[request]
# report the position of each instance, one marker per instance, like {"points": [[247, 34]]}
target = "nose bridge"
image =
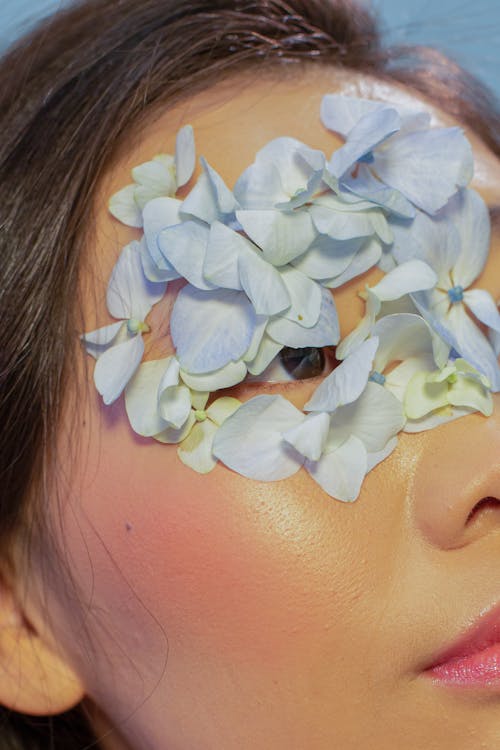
{"points": [[458, 467]]}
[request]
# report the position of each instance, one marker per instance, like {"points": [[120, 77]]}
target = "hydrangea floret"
{"points": [[259, 267]]}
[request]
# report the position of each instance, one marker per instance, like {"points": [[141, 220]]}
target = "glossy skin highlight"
{"points": [[226, 613]]}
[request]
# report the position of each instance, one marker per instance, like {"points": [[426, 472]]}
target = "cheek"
{"points": [[246, 569]]}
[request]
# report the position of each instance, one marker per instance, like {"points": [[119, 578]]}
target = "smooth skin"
{"points": [[219, 613]]}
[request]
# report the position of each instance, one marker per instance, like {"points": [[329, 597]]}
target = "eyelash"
{"points": [[276, 367]]}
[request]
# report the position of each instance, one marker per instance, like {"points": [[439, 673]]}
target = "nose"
{"points": [[456, 482]]}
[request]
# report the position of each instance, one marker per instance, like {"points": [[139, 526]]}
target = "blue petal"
{"points": [[211, 329], [130, 294]]}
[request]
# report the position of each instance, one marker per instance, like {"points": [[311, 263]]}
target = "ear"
{"points": [[34, 678]]}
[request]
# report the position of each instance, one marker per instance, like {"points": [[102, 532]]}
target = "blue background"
{"points": [[468, 30]]}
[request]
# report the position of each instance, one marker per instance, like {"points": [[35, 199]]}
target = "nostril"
{"points": [[488, 504]]}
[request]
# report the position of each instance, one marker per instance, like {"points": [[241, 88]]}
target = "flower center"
{"points": [[456, 294], [200, 415], [137, 326], [377, 377]]}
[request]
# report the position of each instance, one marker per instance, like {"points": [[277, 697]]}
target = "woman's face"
{"points": [[228, 613]]}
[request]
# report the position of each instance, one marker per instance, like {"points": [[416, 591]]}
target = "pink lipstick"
{"points": [[474, 659]]}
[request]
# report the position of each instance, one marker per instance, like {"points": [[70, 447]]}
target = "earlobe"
{"points": [[34, 679]]}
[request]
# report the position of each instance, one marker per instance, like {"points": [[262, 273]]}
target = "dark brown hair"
{"points": [[69, 94]]}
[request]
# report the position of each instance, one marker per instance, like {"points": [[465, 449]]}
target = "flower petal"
{"points": [[470, 216], [116, 366], [172, 435], [282, 236], [341, 113], [267, 351], [346, 383], [427, 166], [375, 417], [309, 437], [411, 276], [211, 329], [401, 336], [436, 419], [123, 206], [225, 377], [222, 409], [156, 178], [305, 295], [130, 294], [423, 397], [185, 155], [326, 332], [472, 394], [327, 258], [184, 247], [195, 451], [268, 290], [371, 129], [373, 459], [483, 306], [250, 441], [341, 472], [220, 265], [141, 398], [159, 214], [174, 405], [102, 336], [368, 255]]}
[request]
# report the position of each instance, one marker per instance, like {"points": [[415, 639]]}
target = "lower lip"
{"points": [[479, 669]]}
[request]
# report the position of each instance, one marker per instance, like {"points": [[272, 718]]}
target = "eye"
{"points": [[298, 364]]}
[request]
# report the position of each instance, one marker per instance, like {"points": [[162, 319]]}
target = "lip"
{"points": [[474, 658]]}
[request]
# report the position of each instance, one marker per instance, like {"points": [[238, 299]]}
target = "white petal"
{"points": [[124, 207], [427, 166], [397, 379], [172, 435], [371, 129], [326, 332], [470, 216], [184, 246], [401, 336], [341, 113], [225, 377], [199, 399], [472, 345], [373, 459], [341, 472], [151, 270], [141, 398], [159, 214], [408, 277], [116, 366], [281, 236], [250, 441], [255, 344], [174, 405], [102, 336], [305, 295], [130, 294], [195, 451], [347, 381], [374, 418], [472, 394], [222, 409], [435, 419], [342, 225], [268, 290], [327, 258], [155, 177], [371, 189], [362, 330], [368, 255], [423, 397], [309, 437], [211, 329], [224, 247], [267, 351], [483, 306], [185, 155]]}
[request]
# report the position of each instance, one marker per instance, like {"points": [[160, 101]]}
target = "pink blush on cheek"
{"points": [[217, 559]]}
